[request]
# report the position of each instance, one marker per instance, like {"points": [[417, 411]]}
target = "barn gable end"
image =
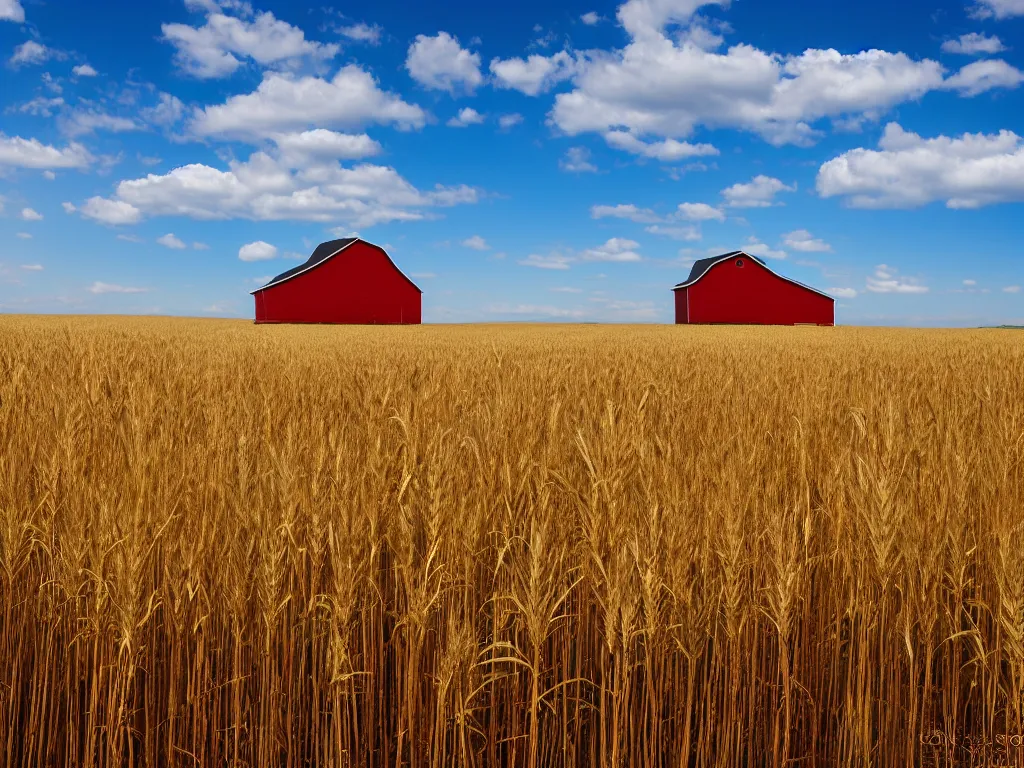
{"points": [[343, 281], [739, 288]]}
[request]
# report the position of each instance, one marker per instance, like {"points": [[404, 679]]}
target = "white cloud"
{"points": [[1011, 289], [700, 212], [171, 241], [759, 192], [283, 104], [970, 283], [666, 87], [552, 261], [509, 121], [80, 122], [756, 248], [32, 267], [84, 70], [168, 111], [440, 63], [69, 207], [973, 44], [622, 211], [477, 243], [999, 9], [885, 280], [99, 287], [27, 214], [363, 32], [30, 52], [980, 76], [217, 48], [114, 212], [842, 293], [41, 106], [802, 240], [197, 246], [265, 189], [566, 289], [467, 116], [577, 160], [24, 235], [534, 74], [616, 249], [908, 171], [257, 251], [676, 233], [301, 149], [11, 10], [49, 175], [668, 150], [590, 18], [648, 18]]}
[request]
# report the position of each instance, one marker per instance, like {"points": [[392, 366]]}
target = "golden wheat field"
{"points": [[233, 545]]}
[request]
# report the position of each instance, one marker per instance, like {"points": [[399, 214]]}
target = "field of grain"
{"points": [[233, 545]]}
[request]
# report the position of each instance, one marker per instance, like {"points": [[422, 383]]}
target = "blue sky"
{"points": [[520, 161]]}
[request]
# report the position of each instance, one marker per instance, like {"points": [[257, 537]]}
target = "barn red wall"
{"points": [[751, 294], [681, 298], [360, 285]]}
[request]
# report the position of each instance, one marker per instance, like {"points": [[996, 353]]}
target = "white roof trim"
{"points": [[324, 260], [738, 254]]}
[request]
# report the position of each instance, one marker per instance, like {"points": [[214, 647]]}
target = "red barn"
{"points": [[344, 281], [739, 288]]}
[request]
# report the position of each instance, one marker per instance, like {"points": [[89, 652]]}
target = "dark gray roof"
{"points": [[323, 251], [703, 265]]}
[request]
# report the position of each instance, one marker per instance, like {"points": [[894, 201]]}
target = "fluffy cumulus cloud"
{"points": [[908, 171], [999, 9], [534, 74], [113, 212], [476, 242], [11, 10], [308, 147], [668, 150], [257, 251], [615, 249], [974, 43], [284, 104], [466, 117], [590, 18], [666, 84], [755, 247], [980, 76], [802, 240], [28, 214], [440, 63], [84, 70], [700, 212], [32, 153], [759, 192], [886, 280], [171, 241], [842, 293], [265, 188], [220, 46]]}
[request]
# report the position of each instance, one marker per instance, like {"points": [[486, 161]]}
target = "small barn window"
{"points": [[739, 262]]}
